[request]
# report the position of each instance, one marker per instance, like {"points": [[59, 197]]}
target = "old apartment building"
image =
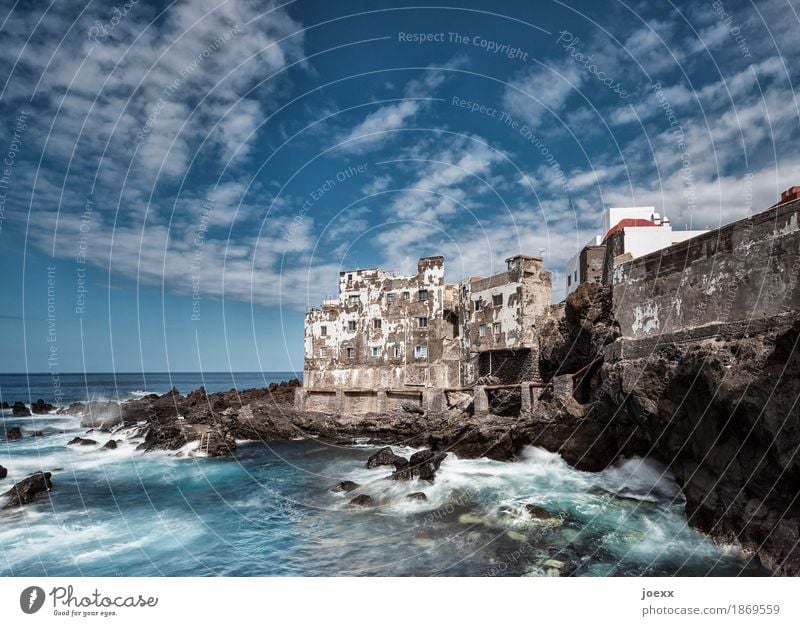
{"points": [[417, 332]]}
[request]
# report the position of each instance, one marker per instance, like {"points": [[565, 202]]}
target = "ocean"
{"points": [[269, 511]]}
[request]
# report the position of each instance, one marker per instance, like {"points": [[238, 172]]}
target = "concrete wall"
{"points": [[747, 269]]}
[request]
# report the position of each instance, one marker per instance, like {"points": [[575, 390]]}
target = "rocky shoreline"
{"points": [[720, 413]]}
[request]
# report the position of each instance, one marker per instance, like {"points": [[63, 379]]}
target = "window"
{"points": [[406, 296], [351, 325], [496, 328], [353, 299], [351, 353], [422, 322], [478, 304], [376, 351], [576, 277], [497, 300], [323, 352], [569, 280], [323, 330], [421, 351], [376, 323], [398, 349], [349, 278], [423, 295], [482, 330], [391, 298]]}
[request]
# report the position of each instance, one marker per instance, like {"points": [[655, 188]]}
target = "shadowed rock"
{"points": [[360, 501], [423, 465], [40, 407], [417, 496], [80, 441], [27, 489], [3, 472], [385, 456], [20, 410], [345, 486], [13, 434]]}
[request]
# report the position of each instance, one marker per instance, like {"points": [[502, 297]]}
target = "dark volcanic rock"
{"points": [[111, 444], [417, 496], [423, 465], [80, 441], [385, 456], [408, 407], [41, 407], [4, 405], [20, 410], [14, 433], [3, 472], [103, 415], [345, 486], [360, 501], [27, 489], [537, 512], [37, 433]]}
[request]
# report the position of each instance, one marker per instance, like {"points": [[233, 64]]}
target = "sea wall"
{"points": [[746, 270]]}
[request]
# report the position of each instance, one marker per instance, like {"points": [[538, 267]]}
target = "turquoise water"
{"points": [[269, 512]]}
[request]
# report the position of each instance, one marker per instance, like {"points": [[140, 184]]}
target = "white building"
{"points": [[645, 231]]}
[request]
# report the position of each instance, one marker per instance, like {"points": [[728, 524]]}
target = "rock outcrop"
{"points": [[3, 472], [40, 407], [27, 489], [361, 501], [80, 441], [20, 410], [345, 486], [14, 433]]}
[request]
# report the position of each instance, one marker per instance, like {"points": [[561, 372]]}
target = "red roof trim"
{"points": [[628, 221]]}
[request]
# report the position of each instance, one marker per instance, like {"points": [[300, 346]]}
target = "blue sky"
{"points": [[235, 156]]}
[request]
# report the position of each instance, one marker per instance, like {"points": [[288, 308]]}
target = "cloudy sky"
{"points": [[187, 178]]}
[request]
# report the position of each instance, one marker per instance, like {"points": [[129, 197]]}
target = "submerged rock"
{"points": [[423, 465], [537, 512], [20, 410], [80, 441], [345, 486], [41, 407], [37, 433], [14, 433], [417, 496], [385, 456], [27, 489], [111, 444], [361, 501]]}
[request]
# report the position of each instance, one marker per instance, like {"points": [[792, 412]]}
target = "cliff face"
{"points": [[721, 413]]}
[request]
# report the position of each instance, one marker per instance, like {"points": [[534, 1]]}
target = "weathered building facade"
{"points": [[416, 332]]}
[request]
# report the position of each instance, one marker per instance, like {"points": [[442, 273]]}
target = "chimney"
{"points": [[792, 193]]}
